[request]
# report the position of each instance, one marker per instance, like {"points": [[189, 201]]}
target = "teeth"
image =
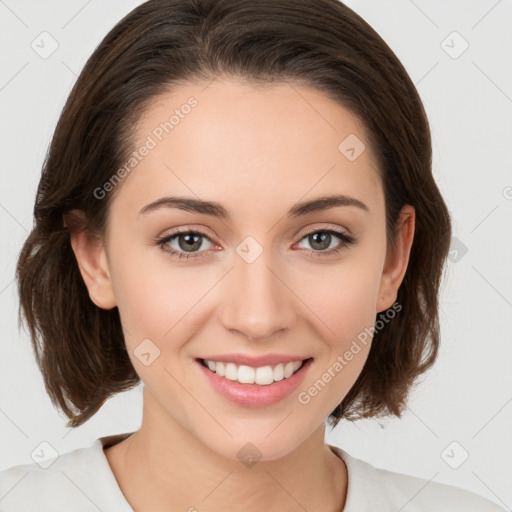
{"points": [[248, 375]]}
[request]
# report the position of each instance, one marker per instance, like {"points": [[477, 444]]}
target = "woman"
{"points": [[238, 210]]}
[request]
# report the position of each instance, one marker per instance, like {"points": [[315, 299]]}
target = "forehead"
{"points": [[259, 145]]}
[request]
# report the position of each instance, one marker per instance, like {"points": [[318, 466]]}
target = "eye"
{"points": [[322, 239], [187, 241], [186, 244]]}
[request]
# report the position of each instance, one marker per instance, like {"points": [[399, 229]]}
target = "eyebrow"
{"points": [[217, 210]]}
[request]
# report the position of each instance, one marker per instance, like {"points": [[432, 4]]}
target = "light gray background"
{"points": [[467, 397]]}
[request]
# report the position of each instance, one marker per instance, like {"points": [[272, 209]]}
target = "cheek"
{"points": [[152, 295], [344, 307], [349, 305], [342, 297], [155, 304]]}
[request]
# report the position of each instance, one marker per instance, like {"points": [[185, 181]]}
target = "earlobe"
{"points": [[93, 264], [397, 261]]}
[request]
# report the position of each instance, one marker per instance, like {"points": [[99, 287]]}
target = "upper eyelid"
{"points": [[340, 230]]}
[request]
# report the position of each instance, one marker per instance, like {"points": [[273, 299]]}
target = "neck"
{"points": [[164, 467]]}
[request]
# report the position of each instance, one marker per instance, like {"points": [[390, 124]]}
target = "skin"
{"points": [[257, 150]]}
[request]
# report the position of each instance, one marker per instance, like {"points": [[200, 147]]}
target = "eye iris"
{"points": [[191, 241], [323, 236]]}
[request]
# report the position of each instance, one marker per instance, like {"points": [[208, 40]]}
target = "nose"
{"points": [[257, 301]]}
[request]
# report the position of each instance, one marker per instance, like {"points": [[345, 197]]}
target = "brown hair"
{"points": [[323, 44]]}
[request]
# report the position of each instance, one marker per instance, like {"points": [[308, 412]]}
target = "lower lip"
{"points": [[254, 395]]}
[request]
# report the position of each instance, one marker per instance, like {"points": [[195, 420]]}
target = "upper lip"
{"points": [[255, 361]]}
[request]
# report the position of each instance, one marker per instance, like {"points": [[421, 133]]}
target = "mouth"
{"points": [[259, 376], [254, 386]]}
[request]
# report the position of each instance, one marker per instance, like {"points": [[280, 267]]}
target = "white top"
{"points": [[81, 480]]}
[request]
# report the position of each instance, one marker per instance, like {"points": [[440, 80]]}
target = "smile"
{"points": [[262, 376], [250, 386]]}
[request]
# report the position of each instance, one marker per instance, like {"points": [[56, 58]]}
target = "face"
{"points": [[265, 279]]}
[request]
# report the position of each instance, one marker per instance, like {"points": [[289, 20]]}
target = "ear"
{"points": [[92, 260], [396, 262]]}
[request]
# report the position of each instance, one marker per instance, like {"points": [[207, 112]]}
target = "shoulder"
{"points": [[76, 480], [52, 482], [373, 488]]}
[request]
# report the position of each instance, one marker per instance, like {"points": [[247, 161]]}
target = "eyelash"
{"points": [[346, 241]]}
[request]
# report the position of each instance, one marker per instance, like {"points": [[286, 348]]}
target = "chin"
{"points": [[268, 441]]}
